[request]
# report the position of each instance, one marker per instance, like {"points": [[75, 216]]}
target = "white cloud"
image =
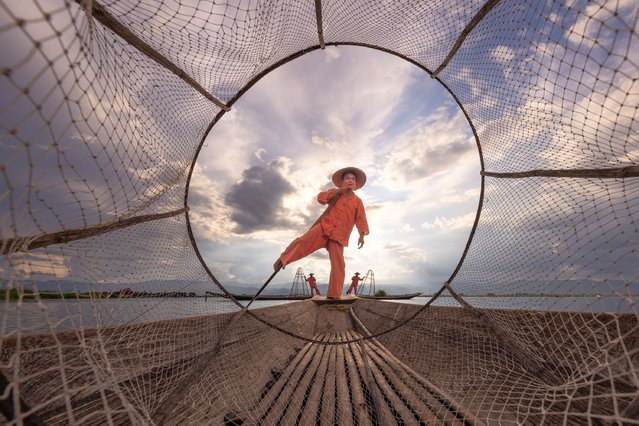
{"points": [[259, 154], [222, 270], [332, 53], [436, 146], [597, 127], [451, 223], [27, 264], [209, 214], [503, 54], [564, 103], [595, 25], [229, 147], [460, 196]]}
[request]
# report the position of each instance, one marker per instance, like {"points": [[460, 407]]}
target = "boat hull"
{"points": [[391, 296]]}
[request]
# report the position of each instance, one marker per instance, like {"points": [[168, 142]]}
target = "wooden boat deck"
{"points": [[322, 372], [357, 383]]}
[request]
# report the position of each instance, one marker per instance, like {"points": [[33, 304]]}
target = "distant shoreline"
{"points": [[26, 294]]}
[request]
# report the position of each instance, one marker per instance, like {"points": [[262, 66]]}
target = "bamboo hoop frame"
{"points": [[13, 245], [278, 64], [320, 27], [610, 173], [490, 4], [456, 296]]}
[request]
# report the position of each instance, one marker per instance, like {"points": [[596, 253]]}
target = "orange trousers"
{"points": [[312, 241]]}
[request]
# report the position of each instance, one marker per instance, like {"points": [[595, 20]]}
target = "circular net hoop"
{"points": [[104, 107]]}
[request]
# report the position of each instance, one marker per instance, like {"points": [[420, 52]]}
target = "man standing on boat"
{"points": [[333, 230], [354, 283], [312, 282]]}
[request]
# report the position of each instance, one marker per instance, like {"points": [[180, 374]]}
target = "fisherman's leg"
{"points": [[302, 247], [338, 269]]}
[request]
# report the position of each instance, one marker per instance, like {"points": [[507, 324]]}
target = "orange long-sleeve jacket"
{"points": [[347, 212]]}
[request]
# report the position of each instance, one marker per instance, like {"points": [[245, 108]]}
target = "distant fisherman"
{"points": [[313, 284], [354, 283], [334, 229]]}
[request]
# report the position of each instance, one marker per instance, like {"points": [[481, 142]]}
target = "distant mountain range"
{"points": [[186, 286]]}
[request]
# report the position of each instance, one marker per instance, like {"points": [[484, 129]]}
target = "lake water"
{"points": [[60, 315]]}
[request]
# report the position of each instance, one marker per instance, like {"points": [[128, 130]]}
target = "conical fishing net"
{"points": [[105, 106]]}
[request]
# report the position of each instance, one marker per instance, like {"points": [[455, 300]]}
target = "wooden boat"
{"points": [[260, 297], [269, 297], [345, 364], [391, 296], [105, 104]]}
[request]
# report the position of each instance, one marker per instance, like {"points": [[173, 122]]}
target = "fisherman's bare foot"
{"points": [[278, 264]]}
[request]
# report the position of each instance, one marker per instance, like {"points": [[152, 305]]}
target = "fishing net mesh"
{"points": [[104, 107]]}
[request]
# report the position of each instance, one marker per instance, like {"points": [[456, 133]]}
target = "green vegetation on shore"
{"points": [[14, 294], [28, 294]]}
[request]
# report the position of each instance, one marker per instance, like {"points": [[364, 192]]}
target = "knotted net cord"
{"points": [[97, 131]]}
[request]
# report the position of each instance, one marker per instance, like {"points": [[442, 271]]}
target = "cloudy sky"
{"points": [[255, 182]]}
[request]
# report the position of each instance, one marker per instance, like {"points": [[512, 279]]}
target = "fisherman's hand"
{"points": [[336, 193], [344, 190], [360, 241]]}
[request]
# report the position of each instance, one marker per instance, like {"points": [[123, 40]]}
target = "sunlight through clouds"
{"points": [[263, 167], [38, 263]]}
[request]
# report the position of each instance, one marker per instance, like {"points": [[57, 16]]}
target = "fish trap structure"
{"points": [[299, 286], [105, 107], [367, 286]]}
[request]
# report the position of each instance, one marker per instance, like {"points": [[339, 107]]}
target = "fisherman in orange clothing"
{"points": [[354, 283], [313, 283], [334, 227]]}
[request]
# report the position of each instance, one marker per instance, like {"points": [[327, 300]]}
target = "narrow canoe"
{"points": [[391, 296]]}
